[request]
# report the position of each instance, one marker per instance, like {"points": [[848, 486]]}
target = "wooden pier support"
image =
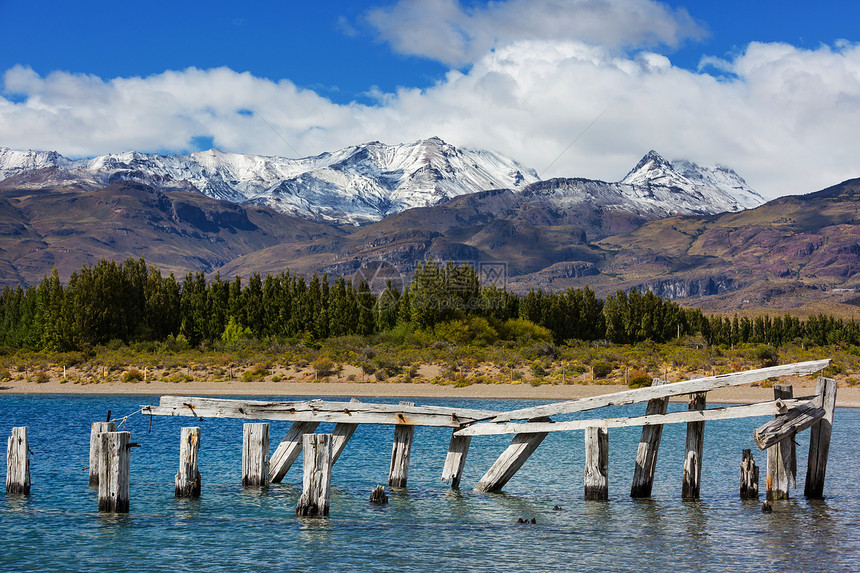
{"points": [[781, 457], [455, 461], [400, 453], [749, 476], [255, 454], [316, 480], [596, 464], [187, 482], [649, 444], [819, 440], [288, 450], [18, 462], [511, 460], [695, 446], [114, 471], [97, 429]]}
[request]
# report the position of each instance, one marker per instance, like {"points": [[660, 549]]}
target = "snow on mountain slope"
{"points": [[366, 183]]}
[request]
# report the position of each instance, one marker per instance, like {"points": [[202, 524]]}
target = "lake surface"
{"points": [[426, 527]]}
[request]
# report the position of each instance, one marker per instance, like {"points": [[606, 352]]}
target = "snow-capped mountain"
{"points": [[366, 183], [357, 184], [715, 189]]}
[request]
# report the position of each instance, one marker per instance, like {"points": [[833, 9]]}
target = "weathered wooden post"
{"points": [[781, 458], [400, 452], [695, 446], [749, 476], [288, 450], [596, 463], [649, 444], [378, 496], [819, 440], [512, 459], [455, 460], [97, 429], [316, 478], [255, 454], [187, 483], [114, 467], [18, 462]]}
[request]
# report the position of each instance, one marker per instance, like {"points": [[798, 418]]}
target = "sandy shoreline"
{"points": [[846, 396]]}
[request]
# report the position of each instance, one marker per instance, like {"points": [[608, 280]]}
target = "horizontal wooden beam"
{"points": [[748, 411], [317, 411], [665, 391], [787, 424]]}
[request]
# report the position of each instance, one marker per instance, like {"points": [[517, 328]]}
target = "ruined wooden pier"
{"points": [[529, 427]]}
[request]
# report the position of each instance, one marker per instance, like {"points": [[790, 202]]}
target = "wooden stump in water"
{"points": [[819, 440], [18, 462], [378, 496], [455, 461], [316, 481], [187, 482], [781, 458], [695, 446], [97, 429], [596, 463], [649, 444], [749, 476], [114, 467], [400, 452], [255, 454]]}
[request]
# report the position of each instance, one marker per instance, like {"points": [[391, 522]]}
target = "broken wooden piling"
{"points": [[649, 445], [511, 460], [455, 460], [114, 465], [187, 481], [255, 454], [18, 462], [695, 447], [749, 476], [316, 478], [401, 450], [819, 439], [596, 464], [781, 457], [97, 429]]}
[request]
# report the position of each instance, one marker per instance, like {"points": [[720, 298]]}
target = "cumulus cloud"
{"points": [[445, 30], [785, 118]]}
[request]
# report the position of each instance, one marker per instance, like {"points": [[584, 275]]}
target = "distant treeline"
{"points": [[133, 302]]}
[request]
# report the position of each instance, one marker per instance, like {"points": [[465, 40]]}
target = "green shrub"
{"points": [[601, 369], [524, 331], [765, 354], [538, 369], [133, 375], [639, 380], [41, 377], [324, 367]]}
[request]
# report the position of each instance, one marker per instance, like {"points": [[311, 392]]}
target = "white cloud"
{"points": [[445, 30], [783, 117]]}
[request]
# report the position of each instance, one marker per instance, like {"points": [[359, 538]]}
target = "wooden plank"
{"points": [[255, 454], [187, 482], [288, 450], [317, 411], [787, 424], [316, 476], [510, 461], [781, 460], [401, 450], [596, 464], [455, 460], [749, 476], [692, 478], [649, 445], [819, 440], [18, 462], [668, 390], [96, 431], [114, 471], [729, 413]]}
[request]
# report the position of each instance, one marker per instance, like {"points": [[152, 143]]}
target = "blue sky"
{"points": [[769, 88]]}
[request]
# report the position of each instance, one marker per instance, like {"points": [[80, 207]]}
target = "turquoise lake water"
{"points": [[426, 527]]}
